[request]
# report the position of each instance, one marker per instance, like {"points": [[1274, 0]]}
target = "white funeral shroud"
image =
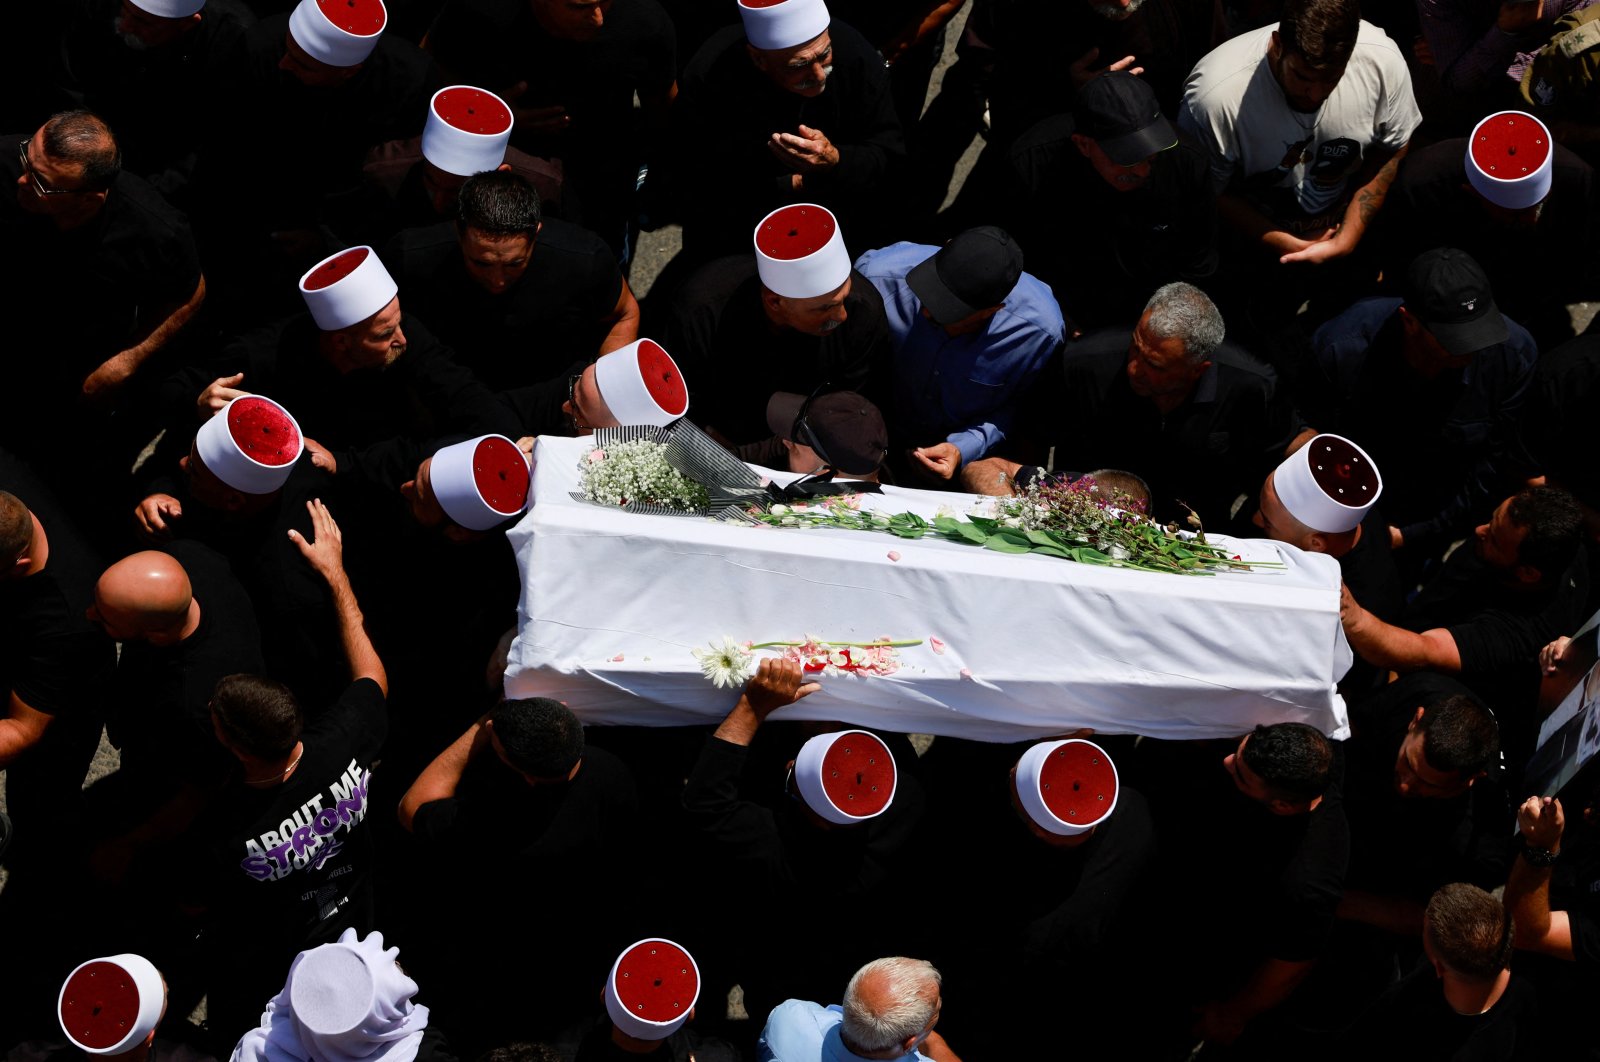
{"points": [[613, 603]]}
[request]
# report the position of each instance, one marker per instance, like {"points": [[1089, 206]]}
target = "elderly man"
{"points": [[798, 299], [1433, 385], [152, 68], [1200, 420], [890, 1009], [518, 296], [570, 70], [788, 107], [1110, 174], [809, 843], [113, 269], [362, 376], [971, 332], [1528, 233]]}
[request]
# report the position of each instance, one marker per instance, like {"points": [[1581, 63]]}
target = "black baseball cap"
{"points": [[1448, 291], [1119, 112], [972, 272], [846, 430]]}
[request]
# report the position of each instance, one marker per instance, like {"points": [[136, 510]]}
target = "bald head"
{"points": [[145, 597]]}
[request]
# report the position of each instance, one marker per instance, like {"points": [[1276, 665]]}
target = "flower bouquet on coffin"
{"points": [[731, 663], [672, 471]]}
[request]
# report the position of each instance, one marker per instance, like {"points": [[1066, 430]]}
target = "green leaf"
{"points": [[1054, 551], [1042, 538], [1001, 544], [967, 532], [984, 524]]}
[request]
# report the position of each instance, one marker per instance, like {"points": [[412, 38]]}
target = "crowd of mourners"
{"points": [[296, 285]]}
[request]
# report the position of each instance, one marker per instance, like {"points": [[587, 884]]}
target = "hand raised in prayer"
{"points": [[775, 684], [809, 152], [326, 552], [155, 516]]}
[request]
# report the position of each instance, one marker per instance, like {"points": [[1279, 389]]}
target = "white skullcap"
{"points": [[1328, 484], [251, 444], [110, 1005], [347, 288], [800, 252], [1067, 787], [846, 777], [480, 483], [1511, 159], [773, 25], [343, 1002], [652, 988], [467, 132], [641, 384], [338, 32], [169, 8]]}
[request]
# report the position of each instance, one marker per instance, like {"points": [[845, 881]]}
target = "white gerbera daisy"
{"points": [[727, 665]]}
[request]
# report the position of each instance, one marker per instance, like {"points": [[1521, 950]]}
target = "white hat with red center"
{"points": [[251, 444], [1067, 787], [800, 252], [347, 288], [772, 25], [169, 8], [1328, 484], [467, 132], [652, 988], [847, 777], [480, 483], [641, 384], [110, 1005], [338, 32], [1510, 160]]}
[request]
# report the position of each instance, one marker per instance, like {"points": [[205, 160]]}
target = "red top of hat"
{"points": [[1342, 472], [472, 110], [1510, 146], [662, 379], [336, 269], [500, 474], [100, 1004], [795, 232], [361, 17], [263, 431], [761, 3], [858, 774], [1077, 782], [656, 981]]}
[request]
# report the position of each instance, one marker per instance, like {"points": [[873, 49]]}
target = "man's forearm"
{"points": [[1255, 226], [1387, 646], [440, 779], [1527, 897], [14, 741], [622, 323], [1368, 200], [161, 333], [741, 725], [358, 650]]}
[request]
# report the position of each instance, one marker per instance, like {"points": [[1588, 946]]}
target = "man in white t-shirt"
{"points": [[1304, 123]]}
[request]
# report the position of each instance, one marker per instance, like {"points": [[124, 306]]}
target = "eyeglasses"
{"points": [[39, 187]]}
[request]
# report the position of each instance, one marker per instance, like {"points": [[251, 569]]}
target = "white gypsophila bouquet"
{"points": [[637, 472]]}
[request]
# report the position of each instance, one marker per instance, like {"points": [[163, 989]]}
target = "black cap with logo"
{"points": [[1447, 290]]}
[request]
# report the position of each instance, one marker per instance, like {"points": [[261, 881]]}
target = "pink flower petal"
{"points": [[894, 554], [617, 659], [936, 645], [966, 673]]}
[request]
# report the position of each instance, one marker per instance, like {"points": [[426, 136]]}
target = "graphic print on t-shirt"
{"points": [[314, 833]]}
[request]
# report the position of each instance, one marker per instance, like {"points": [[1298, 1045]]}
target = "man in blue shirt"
{"points": [[970, 332], [890, 1009]]}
